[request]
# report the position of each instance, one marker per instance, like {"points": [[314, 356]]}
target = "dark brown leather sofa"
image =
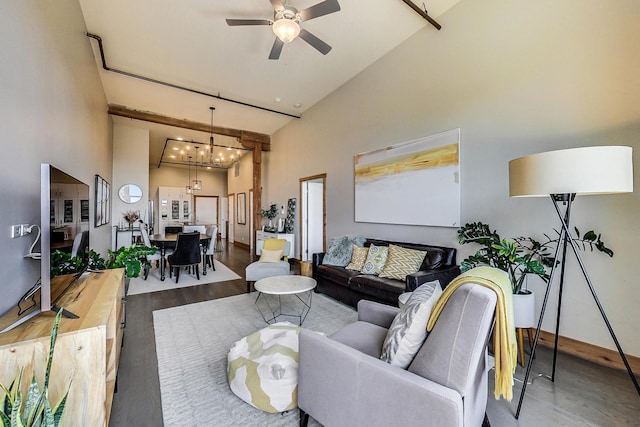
{"points": [[351, 286]]}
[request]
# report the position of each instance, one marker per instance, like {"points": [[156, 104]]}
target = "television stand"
{"points": [[87, 350], [65, 313]]}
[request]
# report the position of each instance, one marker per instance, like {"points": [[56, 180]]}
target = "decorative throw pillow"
{"points": [[376, 258], [358, 257], [409, 328], [270, 255], [339, 252], [402, 262]]}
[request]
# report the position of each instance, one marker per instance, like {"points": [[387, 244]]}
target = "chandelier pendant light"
{"points": [[197, 184], [188, 187]]}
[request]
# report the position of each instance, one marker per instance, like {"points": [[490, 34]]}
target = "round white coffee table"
{"points": [[284, 285]]}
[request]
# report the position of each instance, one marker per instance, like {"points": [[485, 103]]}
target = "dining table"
{"points": [[168, 241]]}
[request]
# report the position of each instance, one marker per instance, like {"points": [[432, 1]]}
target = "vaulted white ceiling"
{"points": [[188, 43]]}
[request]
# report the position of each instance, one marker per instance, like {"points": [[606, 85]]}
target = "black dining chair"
{"points": [[172, 229], [186, 254]]}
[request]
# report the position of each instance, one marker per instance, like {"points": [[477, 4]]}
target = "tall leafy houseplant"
{"points": [[519, 256], [33, 409]]}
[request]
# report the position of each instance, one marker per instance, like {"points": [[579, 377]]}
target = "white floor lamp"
{"points": [[562, 175]]}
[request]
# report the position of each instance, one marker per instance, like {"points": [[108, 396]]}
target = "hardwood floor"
{"points": [[137, 401], [583, 393]]}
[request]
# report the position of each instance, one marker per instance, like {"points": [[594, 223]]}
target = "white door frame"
{"points": [[304, 224], [231, 216]]}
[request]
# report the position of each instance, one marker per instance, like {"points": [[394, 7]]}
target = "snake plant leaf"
{"points": [[58, 411], [34, 401], [6, 403], [16, 411], [47, 419], [6, 422]]}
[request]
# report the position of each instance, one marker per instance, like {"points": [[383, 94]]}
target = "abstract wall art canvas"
{"points": [[413, 183]]}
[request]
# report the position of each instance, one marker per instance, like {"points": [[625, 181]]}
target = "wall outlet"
{"points": [[15, 231], [19, 230]]}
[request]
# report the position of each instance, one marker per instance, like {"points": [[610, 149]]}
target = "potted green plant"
{"points": [[34, 409], [131, 258], [520, 257], [270, 214]]}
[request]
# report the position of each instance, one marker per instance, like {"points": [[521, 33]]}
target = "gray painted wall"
{"points": [[52, 110], [517, 78]]}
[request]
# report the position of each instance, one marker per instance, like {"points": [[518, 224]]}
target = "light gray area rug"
{"points": [[192, 343], [153, 283]]}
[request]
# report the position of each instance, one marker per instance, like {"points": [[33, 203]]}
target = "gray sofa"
{"points": [[350, 286], [342, 381]]}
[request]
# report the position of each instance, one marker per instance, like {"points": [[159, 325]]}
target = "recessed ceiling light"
{"points": [[278, 99], [176, 148], [172, 156], [179, 139], [297, 105]]}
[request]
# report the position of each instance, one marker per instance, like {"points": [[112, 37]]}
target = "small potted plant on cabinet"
{"points": [[270, 215]]}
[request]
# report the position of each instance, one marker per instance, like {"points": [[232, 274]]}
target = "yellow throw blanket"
{"points": [[505, 344]]}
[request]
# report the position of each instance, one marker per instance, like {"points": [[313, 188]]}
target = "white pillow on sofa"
{"points": [[409, 328]]}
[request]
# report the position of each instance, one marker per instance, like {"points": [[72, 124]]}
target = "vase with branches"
{"points": [[270, 214], [522, 255]]}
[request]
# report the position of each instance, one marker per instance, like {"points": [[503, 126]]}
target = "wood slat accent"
{"points": [[593, 353], [257, 187], [248, 139]]}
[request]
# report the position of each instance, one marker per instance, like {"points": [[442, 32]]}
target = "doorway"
{"points": [[206, 210], [312, 216], [232, 217]]}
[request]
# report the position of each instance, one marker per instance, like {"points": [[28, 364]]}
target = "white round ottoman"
{"points": [[262, 368]]}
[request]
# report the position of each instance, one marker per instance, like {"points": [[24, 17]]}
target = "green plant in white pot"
{"points": [[520, 256]]}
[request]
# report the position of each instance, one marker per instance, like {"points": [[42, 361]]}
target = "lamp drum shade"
{"points": [[585, 170]]}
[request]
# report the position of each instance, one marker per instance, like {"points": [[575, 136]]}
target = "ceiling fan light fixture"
{"points": [[286, 29]]}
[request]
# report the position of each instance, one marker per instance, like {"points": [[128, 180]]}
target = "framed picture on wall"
{"points": [[241, 210]]}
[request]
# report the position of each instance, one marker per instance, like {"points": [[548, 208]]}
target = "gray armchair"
{"points": [[342, 381]]}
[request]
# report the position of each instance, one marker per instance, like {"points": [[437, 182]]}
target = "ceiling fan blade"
{"points": [[324, 8], [318, 44], [235, 22], [277, 4], [276, 49]]}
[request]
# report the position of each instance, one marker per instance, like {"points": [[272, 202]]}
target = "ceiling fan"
{"points": [[286, 24]]}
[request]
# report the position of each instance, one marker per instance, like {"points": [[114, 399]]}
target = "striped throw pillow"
{"points": [[402, 262]]}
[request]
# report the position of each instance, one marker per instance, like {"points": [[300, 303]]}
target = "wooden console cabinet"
{"points": [[87, 349]]}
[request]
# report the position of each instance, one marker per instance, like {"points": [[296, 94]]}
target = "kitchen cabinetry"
{"points": [[263, 235], [87, 349], [175, 206]]}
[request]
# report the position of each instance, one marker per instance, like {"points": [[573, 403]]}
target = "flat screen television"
{"points": [[64, 223]]}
